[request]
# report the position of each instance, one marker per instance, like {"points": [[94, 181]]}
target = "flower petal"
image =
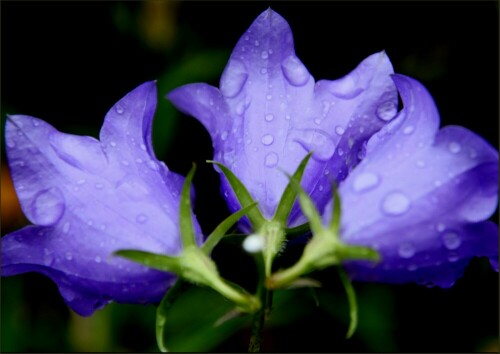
{"points": [[417, 187], [269, 113], [88, 277], [93, 198]]}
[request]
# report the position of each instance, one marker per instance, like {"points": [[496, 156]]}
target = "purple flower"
{"points": [[269, 113], [90, 198], [421, 197]]}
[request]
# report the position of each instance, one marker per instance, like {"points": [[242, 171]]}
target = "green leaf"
{"points": [[290, 193], [197, 321], [185, 217], [353, 305], [244, 197], [152, 260], [219, 232]]}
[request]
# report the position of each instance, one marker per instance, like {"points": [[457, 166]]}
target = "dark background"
{"points": [[69, 62]]}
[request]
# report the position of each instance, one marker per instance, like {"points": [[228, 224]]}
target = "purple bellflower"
{"points": [[269, 113], [88, 199], [420, 197]]}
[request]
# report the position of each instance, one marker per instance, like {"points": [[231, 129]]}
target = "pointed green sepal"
{"points": [[185, 215], [308, 208], [346, 252], [351, 298], [166, 303], [255, 216], [336, 212], [297, 231], [290, 193], [152, 260], [219, 232]]}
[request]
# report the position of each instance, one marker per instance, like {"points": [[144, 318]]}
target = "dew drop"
{"points": [[409, 129], [440, 227], [420, 163], [119, 108], [66, 227], [346, 87], [320, 188], [113, 144], [11, 144], [287, 117], [269, 117], [267, 139], [271, 159], [97, 259], [387, 110], [69, 256], [153, 165], [454, 147], [340, 151], [339, 130], [233, 78], [256, 43], [451, 240], [269, 97], [396, 203], [264, 55], [35, 122], [81, 181], [48, 207], [406, 250], [294, 71], [315, 140], [253, 243], [365, 181], [223, 136], [453, 257], [141, 218]]}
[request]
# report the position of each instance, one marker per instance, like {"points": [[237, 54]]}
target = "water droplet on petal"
{"points": [[269, 117], [339, 130], [223, 136], [287, 117], [81, 181], [454, 147], [141, 218], [451, 240], [396, 203], [340, 151], [233, 78], [365, 181], [346, 87], [11, 144], [264, 55], [408, 129], [256, 43], [119, 108], [35, 122], [97, 259], [153, 165], [387, 110], [267, 139], [269, 97], [421, 163], [271, 159], [66, 227], [69, 256], [315, 140], [47, 257], [440, 227], [453, 257], [406, 250], [112, 144], [48, 207], [294, 71]]}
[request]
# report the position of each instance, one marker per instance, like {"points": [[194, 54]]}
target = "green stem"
{"points": [[259, 318]]}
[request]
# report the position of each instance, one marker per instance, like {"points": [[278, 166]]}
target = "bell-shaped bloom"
{"points": [[421, 197], [269, 112], [87, 199]]}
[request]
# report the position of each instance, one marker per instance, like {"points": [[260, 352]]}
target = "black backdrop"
{"points": [[67, 63]]}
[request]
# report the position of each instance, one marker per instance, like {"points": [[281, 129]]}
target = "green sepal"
{"points": [[336, 212], [297, 231], [166, 303], [353, 304], [290, 193], [255, 216], [219, 232], [185, 217], [308, 208], [152, 260]]}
